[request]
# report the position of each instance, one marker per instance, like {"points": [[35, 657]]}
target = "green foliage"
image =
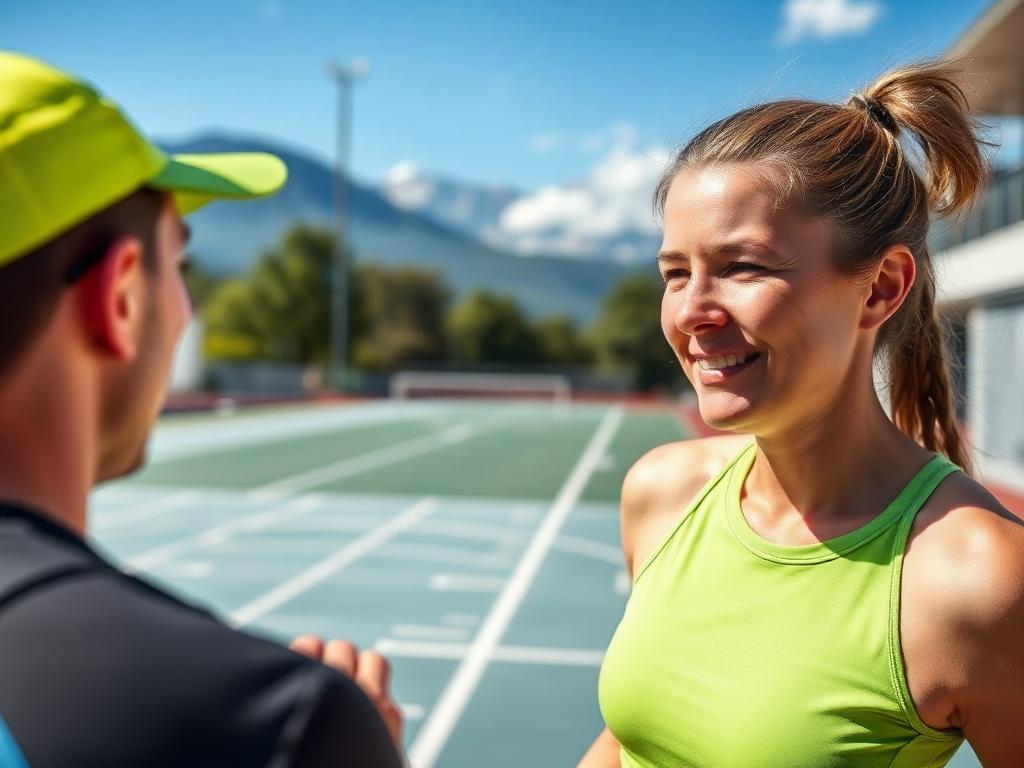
{"points": [[561, 343], [486, 327], [627, 336], [402, 317], [399, 316], [280, 311], [200, 285]]}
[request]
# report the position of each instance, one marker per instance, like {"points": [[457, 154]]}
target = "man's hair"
{"points": [[31, 285]]}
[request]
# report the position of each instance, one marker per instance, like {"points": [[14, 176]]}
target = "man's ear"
{"points": [[888, 289], [111, 298]]}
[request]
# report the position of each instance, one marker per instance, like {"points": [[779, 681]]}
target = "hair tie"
{"points": [[877, 112]]}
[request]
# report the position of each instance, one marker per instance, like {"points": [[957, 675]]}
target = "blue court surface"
{"points": [[475, 544]]}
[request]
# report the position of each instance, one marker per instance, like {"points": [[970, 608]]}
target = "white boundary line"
{"points": [[435, 732], [218, 534], [349, 553], [516, 654], [128, 513], [280, 488], [598, 550], [340, 470]]}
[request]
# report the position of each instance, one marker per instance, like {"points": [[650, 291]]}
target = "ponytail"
{"points": [[855, 165], [922, 400], [928, 102]]}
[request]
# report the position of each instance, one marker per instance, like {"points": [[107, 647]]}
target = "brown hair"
{"points": [[31, 285], [852, 164]]}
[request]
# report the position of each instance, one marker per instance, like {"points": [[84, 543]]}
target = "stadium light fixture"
{"points": [[343, 76]]}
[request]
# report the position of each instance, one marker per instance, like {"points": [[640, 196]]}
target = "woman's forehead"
{"points": [[727, 202]]}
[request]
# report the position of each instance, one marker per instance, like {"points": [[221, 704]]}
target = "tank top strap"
{"points": [[913, 497]]}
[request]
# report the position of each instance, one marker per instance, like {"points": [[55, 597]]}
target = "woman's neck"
{"points": [[831, 474]]}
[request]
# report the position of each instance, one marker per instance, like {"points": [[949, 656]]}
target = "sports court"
{"points": [[474, 543]]}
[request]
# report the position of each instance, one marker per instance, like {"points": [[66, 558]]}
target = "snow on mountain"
{"points": [[607, 215]]}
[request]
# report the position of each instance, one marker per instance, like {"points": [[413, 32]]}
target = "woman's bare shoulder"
{"points": [[662, 482], [967, 542], [964, 574]]}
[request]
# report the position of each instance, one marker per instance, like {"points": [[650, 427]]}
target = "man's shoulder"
{"points": [[189, 684]]}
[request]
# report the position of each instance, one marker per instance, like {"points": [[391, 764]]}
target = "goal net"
{"points": [[408, 385]]}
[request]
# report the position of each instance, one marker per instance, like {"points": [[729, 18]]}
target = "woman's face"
{"points": [[764, 327]]}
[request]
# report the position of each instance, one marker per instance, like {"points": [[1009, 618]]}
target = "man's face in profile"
{"points": [[138, 390]]}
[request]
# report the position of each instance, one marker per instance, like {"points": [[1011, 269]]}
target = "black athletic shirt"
{"points": [[98, 668]]}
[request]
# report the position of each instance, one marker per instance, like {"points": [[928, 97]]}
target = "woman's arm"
{"points": [[603, 753], [991, 618]]}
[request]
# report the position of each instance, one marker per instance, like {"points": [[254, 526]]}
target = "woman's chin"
{"points": [[726, 414]]}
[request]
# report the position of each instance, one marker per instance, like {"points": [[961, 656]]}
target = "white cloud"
{"points": [[826, 19], [271, 9], [542, 143], [405, 188], [619, 133], [611, 202]]}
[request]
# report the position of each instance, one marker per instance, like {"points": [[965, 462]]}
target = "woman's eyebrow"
{"points": [[745, 246], [667, 256]]}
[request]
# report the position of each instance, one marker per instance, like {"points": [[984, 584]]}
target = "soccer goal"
{"points": [[408, 385]]}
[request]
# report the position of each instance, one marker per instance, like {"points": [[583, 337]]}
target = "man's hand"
{"points": [[369, 669]]}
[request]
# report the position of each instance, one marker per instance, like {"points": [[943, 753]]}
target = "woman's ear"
{"points": [[111, 299], [888, 289]]}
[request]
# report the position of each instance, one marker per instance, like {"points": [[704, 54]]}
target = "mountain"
{"points": [[227, 238], [470, 209], [604, 216]]}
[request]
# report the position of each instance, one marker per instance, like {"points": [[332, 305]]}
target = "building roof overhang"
{"points": [[993, 48]]}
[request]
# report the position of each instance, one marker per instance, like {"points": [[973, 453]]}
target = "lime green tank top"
{"points": [[736, 652]]}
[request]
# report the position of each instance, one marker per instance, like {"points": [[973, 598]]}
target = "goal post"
{"points": [[406, 385]]}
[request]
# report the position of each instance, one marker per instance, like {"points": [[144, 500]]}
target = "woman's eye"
{"points": [[675, 274], [746, 266]]}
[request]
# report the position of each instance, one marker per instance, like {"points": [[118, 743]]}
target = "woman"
{"points": [[827, 589]]}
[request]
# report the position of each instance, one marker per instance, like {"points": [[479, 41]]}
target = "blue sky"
{"points": [[526, 93]]}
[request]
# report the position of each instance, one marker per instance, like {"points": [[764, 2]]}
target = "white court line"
{"points": [[588, 548], [344, 556], [421, 632], [151, 509], [260, 520], [412, 711], [218, 534], [449, 556], [345, 468], [465, 582], [515, 654], [442, 719]]}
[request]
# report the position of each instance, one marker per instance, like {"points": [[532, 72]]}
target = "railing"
{"points": [[1001, 204]]}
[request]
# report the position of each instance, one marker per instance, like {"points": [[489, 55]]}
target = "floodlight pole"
{"points": [[343, 76]]}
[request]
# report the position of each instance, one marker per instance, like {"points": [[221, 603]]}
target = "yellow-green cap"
{"points": [[66, 153]]}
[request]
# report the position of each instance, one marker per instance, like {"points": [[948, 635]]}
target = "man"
{"points": [[98, 668]]}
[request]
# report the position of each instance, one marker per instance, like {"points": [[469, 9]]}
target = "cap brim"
{"points": [[196, 180]]}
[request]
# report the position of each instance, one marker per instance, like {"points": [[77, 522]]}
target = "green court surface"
{"points": [[476, 545]]}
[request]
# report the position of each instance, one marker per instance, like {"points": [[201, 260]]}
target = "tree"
{"points": [[402, 314], [281, 310], [627, 335], [561, 343], [486, 327]]}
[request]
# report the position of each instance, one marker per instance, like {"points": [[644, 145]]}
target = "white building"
{"points": [[980, 260]]}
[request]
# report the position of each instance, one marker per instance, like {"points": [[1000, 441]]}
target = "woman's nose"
{"points": [[699, 310]]}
